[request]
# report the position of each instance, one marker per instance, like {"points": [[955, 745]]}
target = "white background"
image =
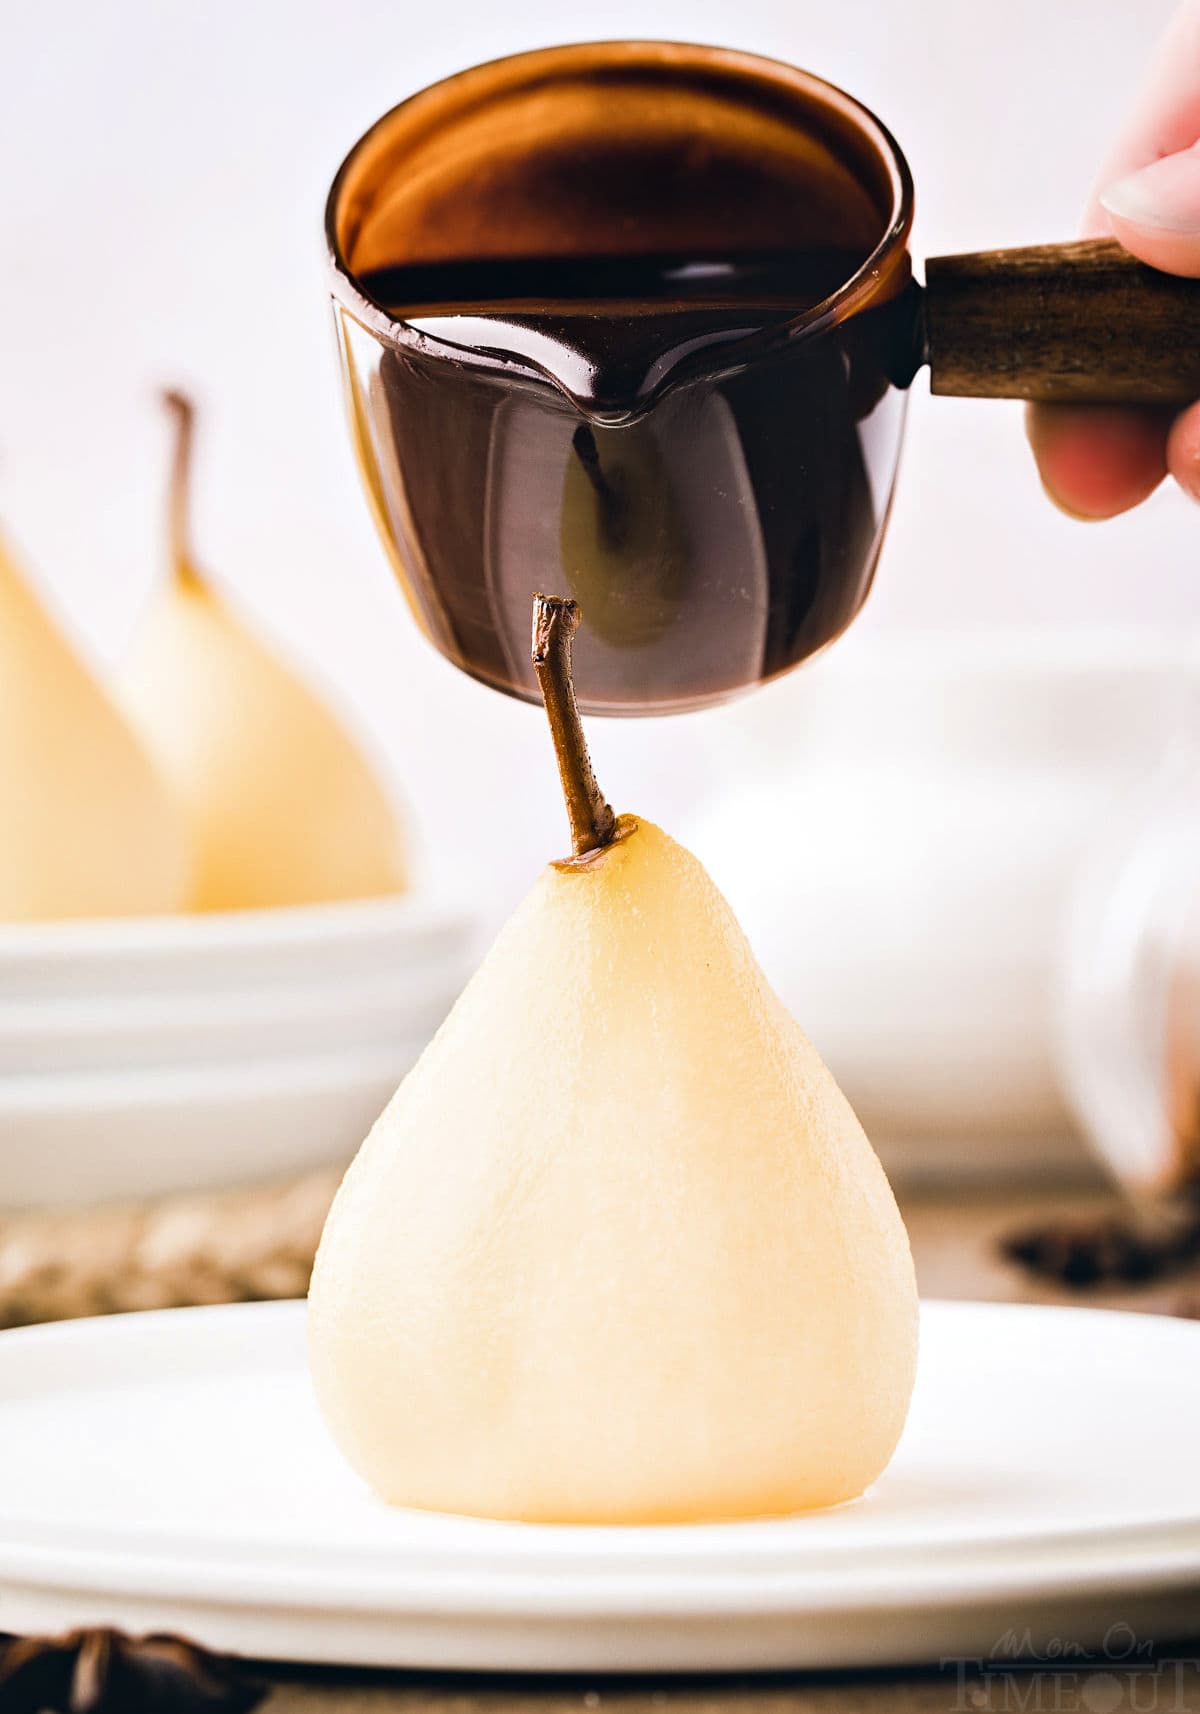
{"points": [[165, 166]]}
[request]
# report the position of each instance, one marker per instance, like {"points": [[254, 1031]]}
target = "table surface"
{"points": [[1170, 1682], [955, 1242]]}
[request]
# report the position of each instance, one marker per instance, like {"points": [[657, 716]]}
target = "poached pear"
{"points": [[282, 805], [618, 1250], [89, 826]]}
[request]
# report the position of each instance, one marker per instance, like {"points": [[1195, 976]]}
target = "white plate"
{"points": [[141, 955], [170, 1471]]}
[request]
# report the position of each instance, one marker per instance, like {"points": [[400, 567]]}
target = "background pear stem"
{"points": [[180, 486], [593, 824]]}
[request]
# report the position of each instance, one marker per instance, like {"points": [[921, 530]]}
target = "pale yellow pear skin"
{"points": [[618, 1251], [87, 825], [282, 806]]}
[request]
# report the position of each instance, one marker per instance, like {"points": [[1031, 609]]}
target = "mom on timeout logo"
{"points": [[1125, 1675]]}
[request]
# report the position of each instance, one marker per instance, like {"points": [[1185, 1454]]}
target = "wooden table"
{"points": [[955, 1242], [1172, 1683]]}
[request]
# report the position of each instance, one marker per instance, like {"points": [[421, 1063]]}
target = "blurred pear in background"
{"points": [[87, 826], [282, 805]]}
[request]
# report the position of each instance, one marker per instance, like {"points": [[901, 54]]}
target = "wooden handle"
{"points": [[1082, 322]]}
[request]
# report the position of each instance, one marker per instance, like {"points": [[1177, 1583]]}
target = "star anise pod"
{"points": [[105, 1671], [1106, 1250]]}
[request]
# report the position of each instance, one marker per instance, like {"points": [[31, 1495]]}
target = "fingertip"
{"points": [[1155, 212], [1096, 461], [1170, 252]]}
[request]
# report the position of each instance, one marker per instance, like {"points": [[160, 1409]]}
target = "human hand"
{"points": [[1098, 460]]}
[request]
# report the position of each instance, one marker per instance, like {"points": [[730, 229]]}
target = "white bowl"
{"points": [[144, 1057], [222, 950], [136, 1031], [115, 1136]]}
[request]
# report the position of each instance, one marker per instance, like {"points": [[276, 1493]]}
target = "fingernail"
{"points": [[1165, 196]]}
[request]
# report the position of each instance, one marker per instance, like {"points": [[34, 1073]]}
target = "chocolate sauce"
{"points": [[610, 332]]}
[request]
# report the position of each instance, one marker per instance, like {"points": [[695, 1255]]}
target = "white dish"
{"points": [[170, 1471], [144, 1057], [131, 1032], [170, 954], [124, 1135]]}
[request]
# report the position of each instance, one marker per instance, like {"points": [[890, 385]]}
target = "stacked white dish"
{"points": [[144, 1056]]}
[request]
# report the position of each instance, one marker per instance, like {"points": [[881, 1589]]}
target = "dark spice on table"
{"points": [[1113, 1248], [104, 1671]]}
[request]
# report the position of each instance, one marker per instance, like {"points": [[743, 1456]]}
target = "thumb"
{"points": [[1155, 212]]}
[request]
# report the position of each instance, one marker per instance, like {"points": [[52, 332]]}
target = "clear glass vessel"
{"points": [[631, 322]]}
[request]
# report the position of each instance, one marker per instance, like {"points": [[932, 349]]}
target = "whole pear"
{"points": [[618, 1250], [87, 824], [282, 804]]}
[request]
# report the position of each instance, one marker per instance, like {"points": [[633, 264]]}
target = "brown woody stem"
{"points": [[593, 824], [180, 485]]}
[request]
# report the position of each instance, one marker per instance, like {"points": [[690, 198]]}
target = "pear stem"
{"points": [[180, 486], [555, 622]]}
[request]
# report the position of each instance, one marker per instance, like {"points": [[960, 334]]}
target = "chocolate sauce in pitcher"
{"points": [[651, 411]]}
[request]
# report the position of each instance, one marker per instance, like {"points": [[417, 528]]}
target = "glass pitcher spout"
{"points": [[612, 333]]}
